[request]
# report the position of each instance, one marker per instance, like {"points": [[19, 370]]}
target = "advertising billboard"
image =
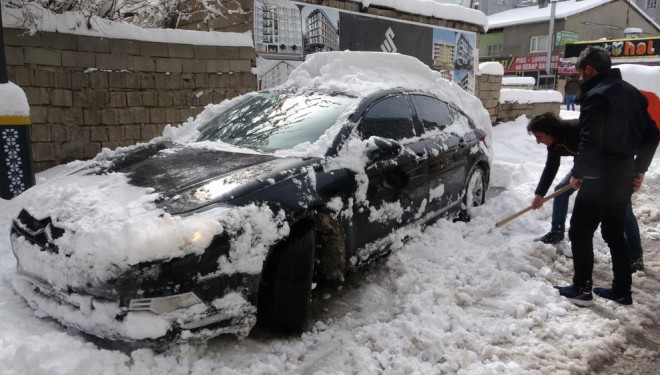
{"points": [[287, 31]]}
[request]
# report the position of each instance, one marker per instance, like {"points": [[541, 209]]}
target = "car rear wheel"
{"points": [[475, 193], [285, 297]]}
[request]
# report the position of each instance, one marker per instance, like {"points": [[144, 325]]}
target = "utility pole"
{"points": [[548, 65], [16, 171]]}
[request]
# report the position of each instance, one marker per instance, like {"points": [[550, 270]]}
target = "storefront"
{"points": [[533, 66], [643, 51]]}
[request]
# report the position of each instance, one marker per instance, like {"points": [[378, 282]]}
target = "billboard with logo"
{"points": [[644, 51], [287, 31]]}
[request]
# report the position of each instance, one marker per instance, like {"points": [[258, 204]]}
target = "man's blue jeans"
{"points": [[560, 205], [631, 231], [570, 103], [560, 211]]}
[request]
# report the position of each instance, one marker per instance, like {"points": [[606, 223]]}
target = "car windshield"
{"points": [[272, 121]]}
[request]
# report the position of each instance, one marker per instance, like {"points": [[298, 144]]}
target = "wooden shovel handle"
{"points": [[545, 199]]}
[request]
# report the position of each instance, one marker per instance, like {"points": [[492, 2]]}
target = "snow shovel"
{"points": [[545, 199]]}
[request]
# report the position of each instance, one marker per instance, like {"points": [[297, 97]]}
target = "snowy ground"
{"points": [[459, 298]]}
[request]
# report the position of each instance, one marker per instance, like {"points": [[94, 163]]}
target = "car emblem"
{"points": [[48, 231]]}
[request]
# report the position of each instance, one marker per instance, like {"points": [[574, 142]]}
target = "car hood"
{"points": [[188, 178], [169, 168]]}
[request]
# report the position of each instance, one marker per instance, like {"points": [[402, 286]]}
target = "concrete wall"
{"points": [[86, 93]]}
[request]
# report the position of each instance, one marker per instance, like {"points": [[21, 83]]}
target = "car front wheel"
{"points": [[474, 194], [286, 298]]}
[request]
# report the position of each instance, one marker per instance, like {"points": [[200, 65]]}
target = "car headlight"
{"points": [[164, 305]]}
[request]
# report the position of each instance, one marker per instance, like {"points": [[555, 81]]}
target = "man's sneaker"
{"points": [[579, 296], [636, 264], [551, 238], [607, 293]]}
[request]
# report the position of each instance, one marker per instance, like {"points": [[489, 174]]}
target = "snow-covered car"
{"points": [[231, 217]]}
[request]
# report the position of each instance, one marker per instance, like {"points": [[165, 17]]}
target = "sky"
{"points": [[458, 298]]}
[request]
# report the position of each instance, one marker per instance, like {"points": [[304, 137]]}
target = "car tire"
{"points": [[285, 298], [474, 194]]}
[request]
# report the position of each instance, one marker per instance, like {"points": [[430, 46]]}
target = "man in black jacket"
{"points": [[617, 141]]}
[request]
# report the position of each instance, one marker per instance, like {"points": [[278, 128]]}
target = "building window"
{"points": [[539, 44], [651, 4], [495, 49], [500, 2]]}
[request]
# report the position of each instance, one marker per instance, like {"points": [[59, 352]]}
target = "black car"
{"points": [[233, 222]]}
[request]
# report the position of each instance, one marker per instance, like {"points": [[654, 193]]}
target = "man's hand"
{"points": [[575, 182], [637, 182], [537, 202]]}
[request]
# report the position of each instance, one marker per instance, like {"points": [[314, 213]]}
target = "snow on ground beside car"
{"points": [[458, 298]]}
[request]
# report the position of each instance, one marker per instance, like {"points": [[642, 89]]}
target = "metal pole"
{"points": [[16, 170], [3, 61], [548, 64]]}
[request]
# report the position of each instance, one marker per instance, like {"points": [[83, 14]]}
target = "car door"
{"points": [[396, 170], [446, 148]]}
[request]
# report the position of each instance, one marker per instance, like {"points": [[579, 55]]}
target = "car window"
{"points": [[388, 118], [271, 121], [432, 112]]}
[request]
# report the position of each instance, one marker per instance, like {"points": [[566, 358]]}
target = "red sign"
{"points": [[529, 63]]}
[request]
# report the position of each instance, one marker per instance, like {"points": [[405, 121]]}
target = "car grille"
{"points": [[42, 232]]}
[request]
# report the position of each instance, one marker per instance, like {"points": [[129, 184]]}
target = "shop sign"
{"points": [[530, 63], [564, 37], [621, 48]]}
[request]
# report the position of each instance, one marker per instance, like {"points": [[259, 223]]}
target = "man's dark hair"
{"points": [[597, 57], [547, 123]]}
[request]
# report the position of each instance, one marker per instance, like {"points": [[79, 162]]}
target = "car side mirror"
{"points": [[381, 148]]}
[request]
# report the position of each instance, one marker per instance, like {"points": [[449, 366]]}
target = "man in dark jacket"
{"points": [[617, 141]]}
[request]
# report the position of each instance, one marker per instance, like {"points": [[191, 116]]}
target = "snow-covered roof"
{"points": [[534, 14], [432, 8], [76, 23]]}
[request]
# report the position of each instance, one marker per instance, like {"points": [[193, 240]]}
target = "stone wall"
{"points": [[86, 93], [488, 91], [511, 111]]}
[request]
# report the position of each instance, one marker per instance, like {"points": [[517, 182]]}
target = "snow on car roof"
{"points": [[358, 74]]}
